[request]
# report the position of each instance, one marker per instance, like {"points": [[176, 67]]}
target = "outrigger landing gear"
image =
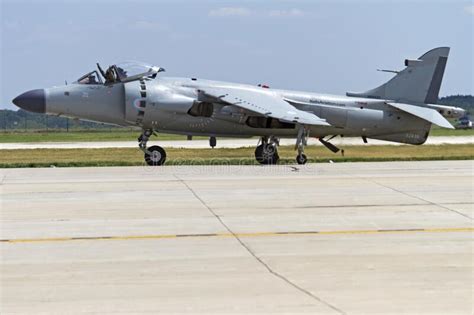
{"points": [[154, 155], [267, 151], [329, 145], [301, 142]]}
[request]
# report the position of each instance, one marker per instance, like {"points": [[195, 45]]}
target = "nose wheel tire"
{"points": [[155, 156], [267, 154], [301, 159]]}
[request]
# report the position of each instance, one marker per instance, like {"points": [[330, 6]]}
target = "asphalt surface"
{"points": [[221, 143], [349, 238]]}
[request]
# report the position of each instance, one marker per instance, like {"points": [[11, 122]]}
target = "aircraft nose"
{"points": [[32, 101]]}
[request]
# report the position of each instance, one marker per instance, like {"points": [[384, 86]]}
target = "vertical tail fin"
{"points": [[419, 82]]}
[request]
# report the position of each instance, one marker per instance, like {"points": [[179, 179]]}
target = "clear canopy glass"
{"points": [[121, 72], [129, 69], [90, 78]]}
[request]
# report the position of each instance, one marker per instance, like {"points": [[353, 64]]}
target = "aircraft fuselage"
{"points": [[124, 104]]}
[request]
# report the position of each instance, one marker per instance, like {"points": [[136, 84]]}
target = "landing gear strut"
{"points": [[301, 142], [329, 145], [267, 151], [154, 155]]}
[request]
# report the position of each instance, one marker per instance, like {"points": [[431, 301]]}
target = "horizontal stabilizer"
{"points": [[425, 113], [263, 103]]}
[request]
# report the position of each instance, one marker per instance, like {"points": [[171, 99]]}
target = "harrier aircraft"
{"points": [[133, 94]]}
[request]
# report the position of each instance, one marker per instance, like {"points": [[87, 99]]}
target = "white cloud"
{"points": [[469, 9], [242, 11], [12, 25], [286, 13], [150, 26], [230, 11]]}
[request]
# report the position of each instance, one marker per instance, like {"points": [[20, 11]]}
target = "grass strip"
{"points": [[239, 156], [80, 136]]}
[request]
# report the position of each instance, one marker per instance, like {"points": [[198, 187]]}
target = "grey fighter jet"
{"points": [[134, 94]]}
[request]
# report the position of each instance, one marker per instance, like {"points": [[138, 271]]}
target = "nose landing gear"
{"points": [[154, 155]]}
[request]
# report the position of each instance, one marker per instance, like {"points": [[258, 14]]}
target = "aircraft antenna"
{"points": [[391, 71]]}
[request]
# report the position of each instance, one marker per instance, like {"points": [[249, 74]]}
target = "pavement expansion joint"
{"points": [[259, 259], [421, 199]]}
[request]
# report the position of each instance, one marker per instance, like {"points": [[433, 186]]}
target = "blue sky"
{"points": [[320, 46]]}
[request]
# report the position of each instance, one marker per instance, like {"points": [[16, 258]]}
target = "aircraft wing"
{"points": [[425, 113], [264, 103]]}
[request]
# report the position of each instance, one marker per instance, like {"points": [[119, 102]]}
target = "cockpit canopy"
{"points": [[120, 72], [90, 78]]}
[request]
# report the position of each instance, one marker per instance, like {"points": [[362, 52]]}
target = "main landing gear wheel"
{"points": [[301, 142], [301, 159], [155, 155], [267, 154]]}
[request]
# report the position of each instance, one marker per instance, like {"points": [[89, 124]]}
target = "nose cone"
{"points": [[32, 101]]}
